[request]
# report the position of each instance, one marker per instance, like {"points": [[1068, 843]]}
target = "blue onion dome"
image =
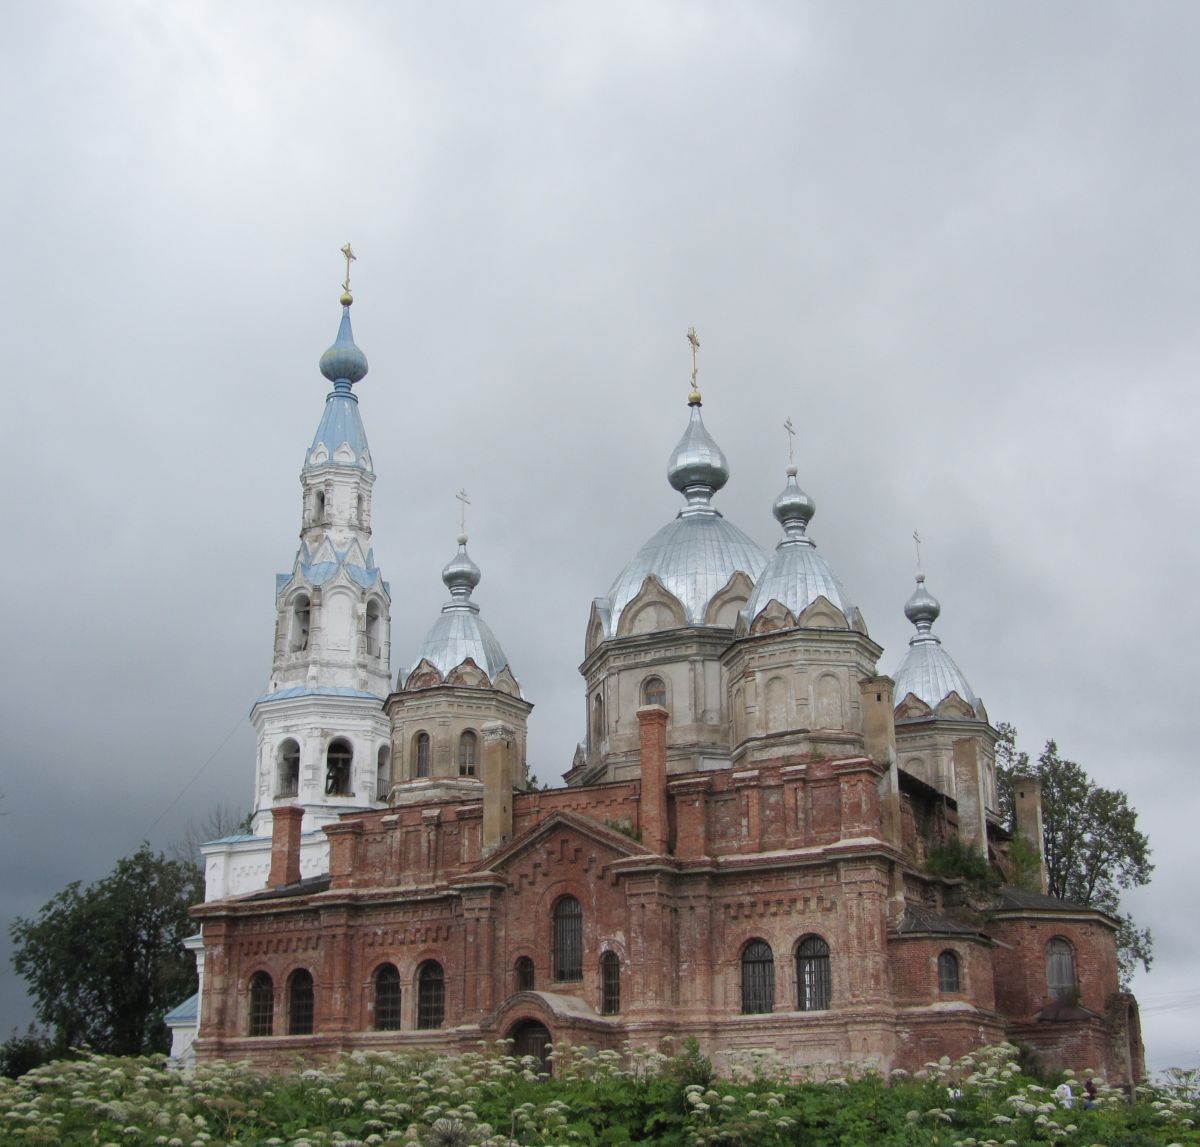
{"points": [[697, 555], [927, 671], [461, 575], [343, 361], [797, 575]]}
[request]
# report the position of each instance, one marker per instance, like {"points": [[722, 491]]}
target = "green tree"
{"points": [[1091, 843], [105, 963]]}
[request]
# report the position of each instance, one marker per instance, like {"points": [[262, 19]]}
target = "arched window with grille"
{"points": [[431, 995], [289, 769], [262, 1005], [813, 987], [387, 998], [383, 773], [468, 747], [523, 974], [610, 984], [1060, 969], [422, 753], [337, 767], [568, 939], [654, 692], [300, 1003], [758, 978], [948, 978]]}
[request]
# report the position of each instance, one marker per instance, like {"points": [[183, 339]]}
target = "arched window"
{"points": [[758, 978], [387, 998], [1060, 969], [289, 769], [467, 745], [319, 506], [421, 752], [568, 939], [948, 971], [383, 774], [337, 767], [654, 692], [812, 975], [262, 1005], [597, 722], [374, 629], [431, 995], [298, 630], [610, 984], [523, 974], [300, 1003], [361, 512]]}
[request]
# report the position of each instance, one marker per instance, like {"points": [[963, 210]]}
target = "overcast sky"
{"points": [[956, 243]]}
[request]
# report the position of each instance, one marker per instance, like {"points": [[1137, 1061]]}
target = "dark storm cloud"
{"points": [[956, 243]]}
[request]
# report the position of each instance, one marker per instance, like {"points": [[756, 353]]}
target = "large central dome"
{"points": [[698, 554]]}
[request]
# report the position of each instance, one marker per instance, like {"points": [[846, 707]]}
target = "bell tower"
{"points": [[323, 738]]}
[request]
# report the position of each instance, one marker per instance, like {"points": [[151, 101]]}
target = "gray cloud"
{"points": [[956, 243]]}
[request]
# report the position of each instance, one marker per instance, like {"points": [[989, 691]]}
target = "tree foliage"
{"points": [[105, 963], [1091, 843]]}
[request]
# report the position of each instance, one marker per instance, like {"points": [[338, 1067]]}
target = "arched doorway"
{"points": [[532, 1038]]}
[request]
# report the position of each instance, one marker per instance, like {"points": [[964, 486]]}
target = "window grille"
{"points": [[387, 999], [422, 754], [466, 754], [610, 984], [758, 978], [568, 939], [813, 987], [524, 974], [262, 1005], [431, 995], [300, 1003], [948, 972]]}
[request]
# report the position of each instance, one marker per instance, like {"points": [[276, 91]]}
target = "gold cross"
{"points": [[691, 336], [917, 539], [462, 510], [348, 251], [791, 432]]}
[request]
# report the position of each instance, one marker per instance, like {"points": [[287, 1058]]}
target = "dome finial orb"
{"points": [[922, 609]]}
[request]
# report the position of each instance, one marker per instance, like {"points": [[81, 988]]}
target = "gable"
{"points": [[562, 843]]}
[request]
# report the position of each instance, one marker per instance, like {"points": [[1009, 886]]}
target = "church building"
{"points": [[741, 852]]}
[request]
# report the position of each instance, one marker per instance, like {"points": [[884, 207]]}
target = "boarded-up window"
{"points": [[1060, 969]]}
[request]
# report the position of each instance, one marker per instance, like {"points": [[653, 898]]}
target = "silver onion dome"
{"points": [[797, 575], [927, 671], [460, 633], [696, 555]]}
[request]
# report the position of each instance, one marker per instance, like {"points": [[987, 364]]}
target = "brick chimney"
{"points": [[285, 846], [968, 793], [1027, 812], [652, 749], [499, 746], [879, 737]]}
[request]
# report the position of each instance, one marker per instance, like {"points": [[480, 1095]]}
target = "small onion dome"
{"points": [[797, 575], [793, 508], [922, 608], [927, 671], [461, 575], [459, 632], [344, 362], [697, 468]]}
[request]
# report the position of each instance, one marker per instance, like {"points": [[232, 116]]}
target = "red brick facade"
{"points": [[785, 852]]}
